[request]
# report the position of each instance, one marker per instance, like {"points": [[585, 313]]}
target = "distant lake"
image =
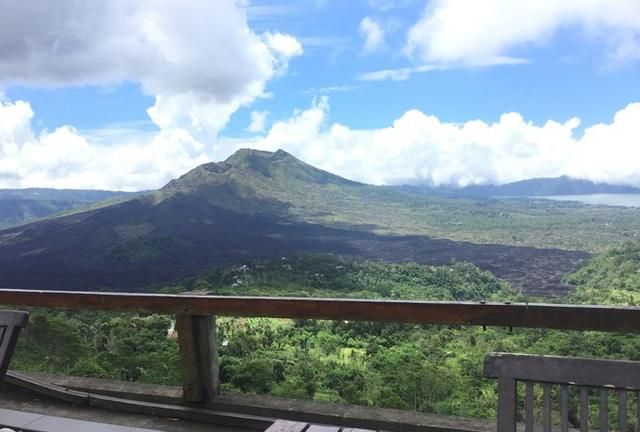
{"points": [[625, 200]]}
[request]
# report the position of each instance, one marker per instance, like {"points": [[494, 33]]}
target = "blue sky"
{"points": [[78, 96], [566, 77]]}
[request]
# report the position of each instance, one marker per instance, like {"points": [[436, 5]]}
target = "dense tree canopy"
{"points": [[436, 369]]}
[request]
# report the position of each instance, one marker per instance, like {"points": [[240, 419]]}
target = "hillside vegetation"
{"points": [[610, 278], [328, 276], [342, 361]]}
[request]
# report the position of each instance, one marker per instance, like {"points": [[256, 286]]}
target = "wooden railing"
{"points": [[11, 322], [567, 374], [195, 320]]}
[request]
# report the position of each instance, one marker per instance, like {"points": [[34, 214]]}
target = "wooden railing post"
{"points": [[507, 404], [199, 357]]}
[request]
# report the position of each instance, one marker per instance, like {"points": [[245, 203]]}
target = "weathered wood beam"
{"points": [[44, 388], [507, 401], [11, 322], [552, 316], [199, 357]]}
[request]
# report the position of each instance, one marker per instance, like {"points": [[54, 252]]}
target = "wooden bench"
{"points": [[582, 379], [11, 322], [290, 426]]}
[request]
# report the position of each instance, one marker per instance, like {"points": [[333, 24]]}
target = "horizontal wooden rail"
{"points": [[563, 370], [552, 316], [195, 320]]}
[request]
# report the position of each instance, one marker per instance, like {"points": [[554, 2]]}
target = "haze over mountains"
{"points": [[18, 206], [538, 187], [253, 205]]}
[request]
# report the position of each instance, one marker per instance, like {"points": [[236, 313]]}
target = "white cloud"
{"points": [[284, 47], [399, 74], [258, 121], [199, 59], [421, 148], [196, 56], [402, 74], [416, 147], [326, 41], [68, 158], [610, 151], [315, 91], [372, 34], [469, 32]]}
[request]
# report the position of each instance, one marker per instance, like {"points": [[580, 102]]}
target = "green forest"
{"points": [[338, 361]]}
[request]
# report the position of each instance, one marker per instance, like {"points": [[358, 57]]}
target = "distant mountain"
{"points": [[252, 181], [18, 206], [253, 205], [533, 187]]}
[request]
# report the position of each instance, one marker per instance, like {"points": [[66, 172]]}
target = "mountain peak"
{"points": [[260, 161], [249, 176], [245, 155], [278, 166]]}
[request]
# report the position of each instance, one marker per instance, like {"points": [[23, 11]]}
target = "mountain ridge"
{"points": [[534, 187], [268, 164], [19, 206], [255, 181], [255, 205]]}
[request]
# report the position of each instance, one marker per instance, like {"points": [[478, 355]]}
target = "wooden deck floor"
{"points": [[36, 422], [17, 401], [157, 401]]}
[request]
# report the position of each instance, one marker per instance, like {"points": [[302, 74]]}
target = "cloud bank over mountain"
{"points": [[202, 62], [421, 148], [199, 59], [415, 148], [66, 158]]}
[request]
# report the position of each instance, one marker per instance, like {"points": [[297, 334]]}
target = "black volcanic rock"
{"points": [[253, 205]]}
